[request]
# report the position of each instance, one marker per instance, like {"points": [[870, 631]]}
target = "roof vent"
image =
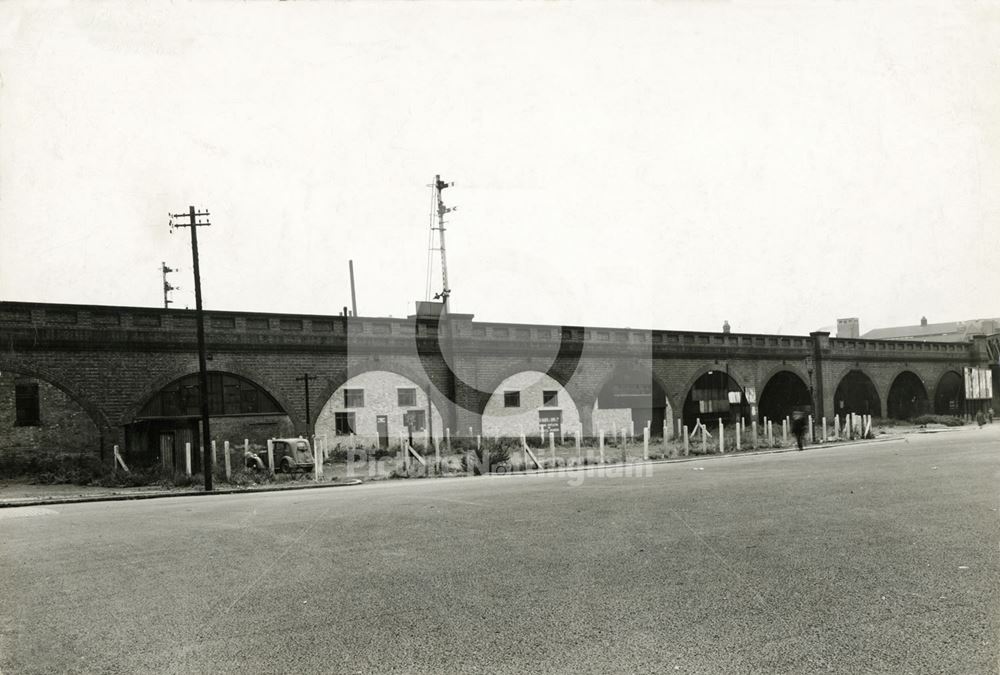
{"points": [[923, 321]]}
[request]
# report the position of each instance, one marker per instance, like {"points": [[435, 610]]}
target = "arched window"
{"points": [[227, 395]]}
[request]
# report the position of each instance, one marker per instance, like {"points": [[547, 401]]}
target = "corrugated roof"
{"points": [[952, 331]]}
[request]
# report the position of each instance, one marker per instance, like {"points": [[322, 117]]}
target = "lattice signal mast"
{"points": [[437, 225]]}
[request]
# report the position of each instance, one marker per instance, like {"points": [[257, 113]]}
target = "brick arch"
{"points": [[873, 380], [540, 371], [94, 412], [937, 387], [415, 375], [704, 370], [623, 367], [927, 402], [797, 370], [217, 366]]}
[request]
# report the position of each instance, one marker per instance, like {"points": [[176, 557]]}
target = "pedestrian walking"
{"points": [[799, 423]]}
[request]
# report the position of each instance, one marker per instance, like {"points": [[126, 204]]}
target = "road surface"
{"points": [[877, 558]]}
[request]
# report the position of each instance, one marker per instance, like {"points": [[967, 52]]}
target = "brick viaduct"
{"points": [[111, 360]]}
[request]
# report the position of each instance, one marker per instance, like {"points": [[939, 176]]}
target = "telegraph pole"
{"points": [[305, 378], [167, 286], [198, 219]]}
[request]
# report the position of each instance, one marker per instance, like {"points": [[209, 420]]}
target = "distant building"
{"points": [[848, 328], [952, 331]]}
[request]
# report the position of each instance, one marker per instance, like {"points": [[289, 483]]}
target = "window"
{"points": [[407, 398], [415, 420], [550, 398], [26, 404], [344, 423], [512, 399], [354, 398]]}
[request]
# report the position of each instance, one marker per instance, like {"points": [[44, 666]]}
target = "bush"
{"points": [[486, 458], [947, 420]]}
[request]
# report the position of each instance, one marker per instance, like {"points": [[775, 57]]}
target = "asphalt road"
{"points": [[879, 558]]}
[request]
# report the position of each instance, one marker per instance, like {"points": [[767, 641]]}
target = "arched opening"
{"points": [[714, 396], [532, 403], [783, 394], [907, 397], [375, 407], [949, 398], [857, 394], [238, 409], [630, 400], [41, 425]]}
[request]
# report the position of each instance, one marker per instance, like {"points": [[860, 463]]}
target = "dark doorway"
{"points": [[714, 396], [907, 397], [857, 394], [783, 395], [382, 426], [949, 399]]}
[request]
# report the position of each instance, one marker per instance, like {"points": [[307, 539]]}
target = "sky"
{"points": [[667, 165]]}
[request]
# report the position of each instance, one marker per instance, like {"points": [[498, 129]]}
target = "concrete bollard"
{"points": [[270, 455], [704, 440], [187, 459], [738, 432], [722, 437], [836, 427], [624, 447], [213, 455], [645, 444], [666, 436], [602, 446], [824, 430], [447, 439], [770, 434], [479, 442], [552, 447], [812, 437], [784, 431], [226, 460], [687, 449], [753, 430]]}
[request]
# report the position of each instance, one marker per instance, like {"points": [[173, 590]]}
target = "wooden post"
{"points": [[226, 460], [624, 447], [645, 444], [437, 458], [187, 459]]}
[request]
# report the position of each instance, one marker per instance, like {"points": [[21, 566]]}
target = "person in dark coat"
{"points": [[799, 423]]}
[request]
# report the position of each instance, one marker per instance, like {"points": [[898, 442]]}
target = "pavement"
{"points": [[873, 558], [23, 493]]}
